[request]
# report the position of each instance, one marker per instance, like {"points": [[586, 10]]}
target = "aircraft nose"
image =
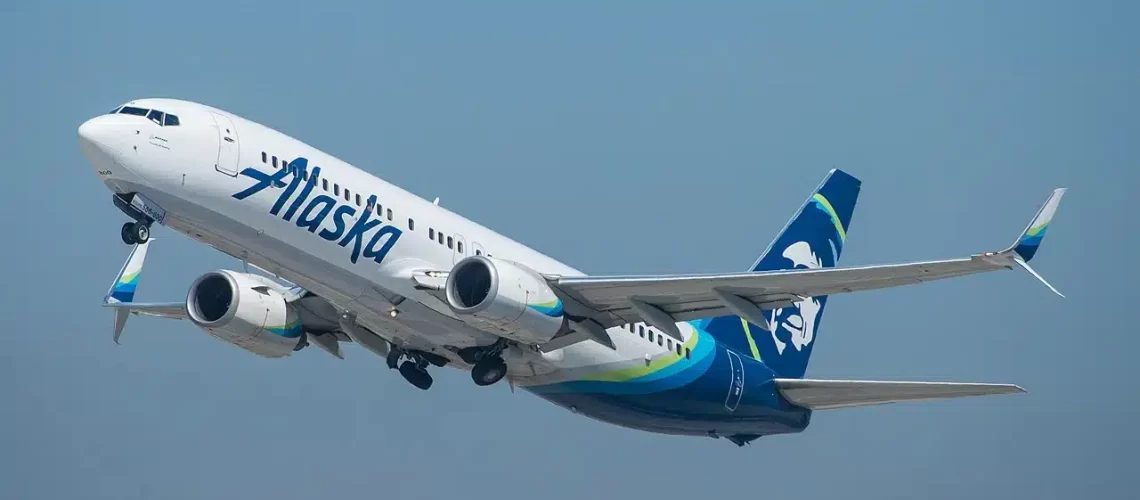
{"points": [[97, 141]]}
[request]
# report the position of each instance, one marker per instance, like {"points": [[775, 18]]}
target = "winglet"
{"points": [[123, 288], [1025, 265], [1026, 246]]}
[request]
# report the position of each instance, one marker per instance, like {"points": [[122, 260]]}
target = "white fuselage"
{"points": [[193, 171]]}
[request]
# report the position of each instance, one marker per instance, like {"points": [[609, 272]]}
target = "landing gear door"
{"points": [[227, 145]]}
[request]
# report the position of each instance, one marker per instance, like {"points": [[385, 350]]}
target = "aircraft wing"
{"points": [[663, 300], [168, 310], [319, 320], [830, 394]]}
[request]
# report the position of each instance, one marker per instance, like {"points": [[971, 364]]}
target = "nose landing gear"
{"points": [[135, 233]]}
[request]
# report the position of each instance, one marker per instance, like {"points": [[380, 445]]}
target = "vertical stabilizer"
{"points": [[812, 239]]}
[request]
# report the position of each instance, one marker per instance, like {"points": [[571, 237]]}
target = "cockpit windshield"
{"points": [[128, 110], [161, 118]]}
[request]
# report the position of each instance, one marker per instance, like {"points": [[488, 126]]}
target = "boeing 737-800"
{"points": [[345, 257]]}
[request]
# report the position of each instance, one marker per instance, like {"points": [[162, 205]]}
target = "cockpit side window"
{"points": [[155, 116], [171, 120], [116, 110], [129, 110]]}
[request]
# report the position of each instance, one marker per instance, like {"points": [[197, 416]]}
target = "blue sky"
{"points": [[641, 137]]}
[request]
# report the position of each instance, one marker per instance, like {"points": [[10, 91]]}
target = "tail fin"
{"points": [[812, 239]]}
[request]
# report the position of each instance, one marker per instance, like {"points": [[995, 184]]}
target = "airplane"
{"points": [[342, 257]]}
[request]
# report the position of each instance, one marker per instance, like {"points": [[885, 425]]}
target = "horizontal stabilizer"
{"points": [[829, 394]]}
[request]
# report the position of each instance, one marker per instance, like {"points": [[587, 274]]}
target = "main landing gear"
{"points": [[415, 374], [135, 233], [414, 368], [488, 371], [489, 366]]}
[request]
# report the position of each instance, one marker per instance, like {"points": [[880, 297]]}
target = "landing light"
{"points": [[393, 313]]}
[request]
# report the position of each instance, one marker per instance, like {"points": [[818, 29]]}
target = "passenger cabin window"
{"points": [[459, 246], [275, 162], [347, 197], [336, 189], [389, 214], [688, 354], [450, 243], [641, 331], [155, 116], [440, 238], [431, 233], [325, 184], [264, 158], [678, 348], [411, 225], [358, 199]]}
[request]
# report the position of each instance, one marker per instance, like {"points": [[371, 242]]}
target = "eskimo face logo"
{"points": [[799, 319]]}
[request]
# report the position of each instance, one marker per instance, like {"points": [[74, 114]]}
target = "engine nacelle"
{"points": [[245, 310], [506, 299]]}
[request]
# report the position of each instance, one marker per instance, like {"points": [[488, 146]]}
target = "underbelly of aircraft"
{"points": [[673, 413]]}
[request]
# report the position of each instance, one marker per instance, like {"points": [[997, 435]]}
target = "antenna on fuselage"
{"points": [[436, 202]]}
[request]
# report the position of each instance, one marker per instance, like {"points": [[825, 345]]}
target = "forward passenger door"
{"points": [[228, 147]]}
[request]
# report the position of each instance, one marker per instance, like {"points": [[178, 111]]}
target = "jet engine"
{"points": [[505, 298], [245, 310]]}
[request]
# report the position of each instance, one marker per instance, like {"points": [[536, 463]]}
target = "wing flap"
{"points": [[830, 394]]}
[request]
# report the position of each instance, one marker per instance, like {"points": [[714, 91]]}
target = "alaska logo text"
{"points": [[380, 238]]}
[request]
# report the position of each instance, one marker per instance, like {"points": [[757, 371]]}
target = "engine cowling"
{"points": [[245, 310], [505, 298]]}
